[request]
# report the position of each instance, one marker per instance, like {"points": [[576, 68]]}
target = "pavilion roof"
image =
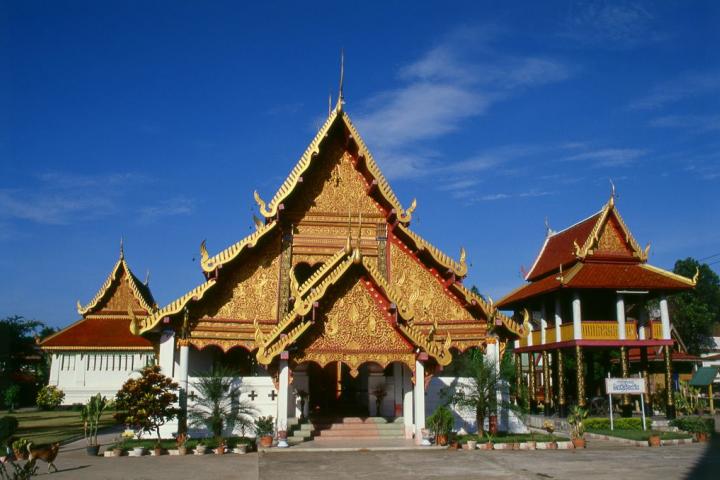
{"points": [[97, 333]]}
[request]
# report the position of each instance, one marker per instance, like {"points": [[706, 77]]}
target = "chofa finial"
{"points": [[613, 192], [122, 248], [341, 98]]}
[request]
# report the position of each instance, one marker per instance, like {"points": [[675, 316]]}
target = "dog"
{"points": [[47, 454]]}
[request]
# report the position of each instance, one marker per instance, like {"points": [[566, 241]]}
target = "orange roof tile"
{"points": [[97, 333]]}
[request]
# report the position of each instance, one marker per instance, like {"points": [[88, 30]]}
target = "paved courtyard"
{"points": [[602, 460]]}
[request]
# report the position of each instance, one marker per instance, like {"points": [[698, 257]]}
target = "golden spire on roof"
{"points": [[341, 99], [613, 193], [122, 248]]}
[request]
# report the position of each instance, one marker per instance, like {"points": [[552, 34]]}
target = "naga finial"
{"points": [[646, 252], [341, 98], [134, 327], [463, 255], [577, 248], [405, 215], [147, 277], [613, 193], [122, 248], [204, 255], [258, 223], [261, 204], [526, 321], [696, 276], [79, 307]]}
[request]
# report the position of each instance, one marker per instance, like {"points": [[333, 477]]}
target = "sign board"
{"points": [[629, 386]]}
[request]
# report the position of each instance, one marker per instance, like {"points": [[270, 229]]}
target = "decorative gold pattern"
{"points": [[560, 377], [211, 263], [458, 268], [580, 375], [126, 281]]}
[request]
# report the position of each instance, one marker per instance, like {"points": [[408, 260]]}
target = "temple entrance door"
{"points": [[336, 393]]}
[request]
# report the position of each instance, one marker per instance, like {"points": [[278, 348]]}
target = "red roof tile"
{"points": [[97, 333], [559, 249]]}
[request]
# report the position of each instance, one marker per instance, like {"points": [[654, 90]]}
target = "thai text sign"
{"points": [[632, 386]]}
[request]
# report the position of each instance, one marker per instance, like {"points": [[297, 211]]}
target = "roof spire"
{"points": [[548, 230], [122, 248], [341, 99], [147, 277], [329, 103], [613, 193]]}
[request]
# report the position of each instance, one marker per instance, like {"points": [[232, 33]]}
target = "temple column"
{"points": [[665, 319], [670, 408], [183, 374], [626, 405], [419, 398], [518, 379], [543, 325], [620, 312], [580, 375], [166, 353], [558, 320], [397, 390], [531, 382], [577, 316], [562, 409], [546, 382], [283, 396]]}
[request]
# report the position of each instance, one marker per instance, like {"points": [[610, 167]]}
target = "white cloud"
{"points": [[53, 208], [624, 24], [503, 196], [167, 208], [687, 86], [458, 79], [607, 157], [699, 123]]}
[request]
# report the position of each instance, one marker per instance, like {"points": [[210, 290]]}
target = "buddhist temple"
{"points": [[98, 352], [592, 294], [334, 306]]}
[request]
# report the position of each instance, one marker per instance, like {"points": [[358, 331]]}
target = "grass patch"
{"points": [[512, 438], [43, 427], [639, 434]]}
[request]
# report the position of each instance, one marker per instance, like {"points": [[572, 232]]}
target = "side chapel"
{"points": [[331, 299]]}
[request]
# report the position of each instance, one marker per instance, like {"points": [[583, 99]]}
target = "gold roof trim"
{"points": [[270, 209], [458, 268], [96, 348], [674, 276], [82, 310], [148, 323], [321, 272], [491, 311], [594, 236], [211, 263]]}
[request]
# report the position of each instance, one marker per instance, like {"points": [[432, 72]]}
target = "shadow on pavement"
{"points": [[708, 467]]}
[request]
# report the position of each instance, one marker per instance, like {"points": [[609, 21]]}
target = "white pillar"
{"points": [[665, 318], [642, 322], [577, 316], [558, 319], [620, 311], [167, 353], [54, 369], [543, 324], [419, 401], [398, 389], [79, 360], [283, 396], [530, 334], [408, 400], [184, 365]]}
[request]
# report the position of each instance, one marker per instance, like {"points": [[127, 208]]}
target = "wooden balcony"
{"points": [[593, 330]]}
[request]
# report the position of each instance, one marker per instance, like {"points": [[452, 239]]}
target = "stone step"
{"points": [[358, 433], [322, 439]]}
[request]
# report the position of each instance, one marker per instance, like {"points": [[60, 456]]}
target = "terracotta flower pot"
{"points": [[441, 439], [266, 441], [552, 446], [220, 450], [654, 440], [117, 452], [515, 446], [157, 451], [489, 446], [578, 442], [701, 437], [531, 445]]}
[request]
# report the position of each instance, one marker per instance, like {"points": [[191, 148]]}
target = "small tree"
{"points": [[146, 403], [218, 405], [479, 395], [90, 415], [11, 396], [49, 397]]}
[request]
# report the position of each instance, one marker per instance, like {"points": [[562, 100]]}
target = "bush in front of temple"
{"points": [[49, 397], [147, 403], [600, 423]]}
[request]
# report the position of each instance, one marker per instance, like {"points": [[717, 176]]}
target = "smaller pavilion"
{"points": [[98, 353], [589, 292]]}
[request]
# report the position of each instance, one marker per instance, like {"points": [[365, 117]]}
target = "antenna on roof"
{"points": [[122, 248], [341, 99]]}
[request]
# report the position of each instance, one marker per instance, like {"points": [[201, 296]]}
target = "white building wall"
{"points": [[82, 374]]}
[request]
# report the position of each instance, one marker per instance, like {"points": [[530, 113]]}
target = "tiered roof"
{"points": [[599, 252], [270, 337], [107, 317]]}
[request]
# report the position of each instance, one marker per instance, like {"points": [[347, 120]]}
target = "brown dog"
{"points": [[47, 454]]}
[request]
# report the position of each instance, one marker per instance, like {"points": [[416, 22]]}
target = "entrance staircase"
{"points": [[346, 428]]}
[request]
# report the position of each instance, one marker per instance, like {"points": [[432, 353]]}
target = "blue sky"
{"points": [[155, 121]]}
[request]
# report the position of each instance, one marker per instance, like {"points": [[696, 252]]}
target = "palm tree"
{"points": [[218, 406], [479, 394]]}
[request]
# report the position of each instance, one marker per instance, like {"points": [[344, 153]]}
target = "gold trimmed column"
{"points": [[531, 382], [546, 382], [580, 375], [626, 405], [644, 373], [670, 408], [518, 378], [562, 409]]}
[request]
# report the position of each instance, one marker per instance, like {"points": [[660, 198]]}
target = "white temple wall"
{"points": [[83, 374]]}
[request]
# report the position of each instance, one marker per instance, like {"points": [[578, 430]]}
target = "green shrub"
{"points": [[694, 424], [620, 423], [8, 427], [441, 421], [49, 397]]}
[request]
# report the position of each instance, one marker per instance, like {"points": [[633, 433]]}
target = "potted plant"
{"points": [[20, 448], [441, 422], [241, 448], [471, 444], [90, 415], [122, 444], [220, 449], [654, 439], [490, 444], [181, 442], [576, 419], [379, 392], [264, 427], [200, 448], [549, 427], [157, 449]]}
